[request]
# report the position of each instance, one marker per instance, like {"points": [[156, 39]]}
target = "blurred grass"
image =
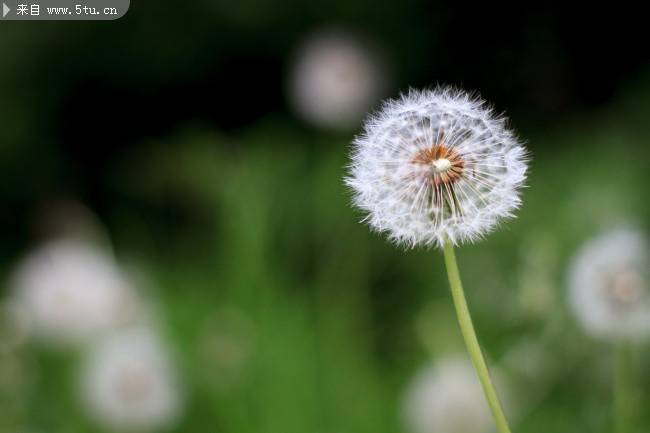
{"points": [[320, 323], [259, 223]]}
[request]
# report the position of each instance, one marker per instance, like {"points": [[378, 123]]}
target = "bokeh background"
{"points": [[178, 141]]}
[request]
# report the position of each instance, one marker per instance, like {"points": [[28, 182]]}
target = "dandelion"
{"points": [[71, 291], [128, 383], [439, 168], [335, 79], [609, 293], [434, 166], [446, 397], [608, 286]]}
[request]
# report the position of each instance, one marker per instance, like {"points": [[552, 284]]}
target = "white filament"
{"points": [[396, 192]]}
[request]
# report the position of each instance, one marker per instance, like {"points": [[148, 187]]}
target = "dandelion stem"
{"points": [[469, 335], [624, 398]]}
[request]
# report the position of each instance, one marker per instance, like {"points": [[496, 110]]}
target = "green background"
{"points": [[171, 124]]}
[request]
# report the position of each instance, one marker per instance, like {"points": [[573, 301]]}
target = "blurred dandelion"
{"points": [[439, 168], [129, 384], [608, 291], [335, 79], [608, 285], [446, 397], [71, 291]]}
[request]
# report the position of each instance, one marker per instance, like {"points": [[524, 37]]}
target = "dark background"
{"points": [[90, 90]]}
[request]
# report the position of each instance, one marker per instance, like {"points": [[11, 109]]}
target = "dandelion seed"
{"points": [[335, 79], [609, 285], [436, 165], [438, 168], [128, 383], [71, 291], [446, 397]]}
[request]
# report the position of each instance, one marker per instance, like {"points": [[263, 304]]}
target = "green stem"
{"points": [[469, 335], [624, 398]]}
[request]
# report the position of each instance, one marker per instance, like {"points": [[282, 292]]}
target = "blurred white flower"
{"points": [[436, 165], [608, 285], [447, 398], [72, 291], [128, 383], [335, 79]]}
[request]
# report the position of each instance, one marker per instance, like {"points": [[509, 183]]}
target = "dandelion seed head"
{"points": [[436, 165], [128, 383], [335, 78], [608, 285], [71, 291], [446, 397]]}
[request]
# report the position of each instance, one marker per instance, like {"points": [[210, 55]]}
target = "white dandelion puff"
{"points": [[608, 285], [446, 397], [335, 79], [71, 291], [128, 383], [436, 165]]}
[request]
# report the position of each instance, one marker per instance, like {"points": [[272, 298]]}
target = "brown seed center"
{"points": [[626, 287], [446, 164]]}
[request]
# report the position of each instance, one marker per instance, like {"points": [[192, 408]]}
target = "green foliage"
{"points": [[284, 313]]}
